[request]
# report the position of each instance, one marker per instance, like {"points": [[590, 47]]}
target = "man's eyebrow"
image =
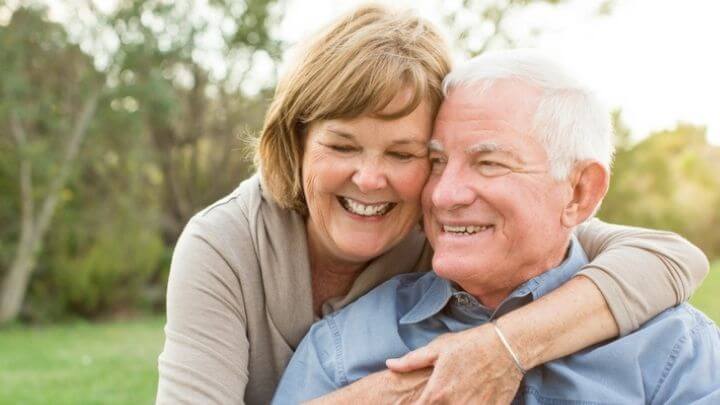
{"points": [[492, 147], [435, 146], [484, 147]]}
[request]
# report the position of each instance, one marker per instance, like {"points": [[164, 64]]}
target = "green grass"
{"points": [[707, 298], [81, 363]]}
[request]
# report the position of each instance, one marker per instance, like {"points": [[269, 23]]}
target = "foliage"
{"points": [[668, 181], [81, 363], [707, 298], [478, 25], [98, 272], [164, 140]]}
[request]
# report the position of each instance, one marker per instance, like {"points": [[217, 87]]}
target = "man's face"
{"points": [[492, 212]]}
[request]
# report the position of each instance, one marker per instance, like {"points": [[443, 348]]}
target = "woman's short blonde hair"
{"points": [[355, 67]]}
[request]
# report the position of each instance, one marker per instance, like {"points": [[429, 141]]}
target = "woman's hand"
{"points": [[468, 367]]}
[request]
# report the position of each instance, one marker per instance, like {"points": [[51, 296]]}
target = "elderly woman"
{"points": [[334, 212]]}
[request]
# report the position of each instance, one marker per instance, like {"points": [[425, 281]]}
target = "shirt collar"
{"points": [[432, 301], [438, 293]]}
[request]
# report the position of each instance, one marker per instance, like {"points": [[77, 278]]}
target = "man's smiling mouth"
{"points": [[465, 229]]}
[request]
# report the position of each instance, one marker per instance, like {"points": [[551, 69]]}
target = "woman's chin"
{"points": [[363, 249]]}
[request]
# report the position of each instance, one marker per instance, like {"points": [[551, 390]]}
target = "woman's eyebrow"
{"points": [[351, 137], [342, 134], [408, 142]]}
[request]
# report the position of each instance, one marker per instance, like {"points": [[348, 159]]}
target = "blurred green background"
{"points": [[118, 123]]}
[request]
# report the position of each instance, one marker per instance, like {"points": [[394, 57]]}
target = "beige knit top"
{"points": [[239, 298]]}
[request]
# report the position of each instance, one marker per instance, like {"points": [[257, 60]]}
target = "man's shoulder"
{"points": [[667, 333], [388, 300], [651, 364], [679, 321]]}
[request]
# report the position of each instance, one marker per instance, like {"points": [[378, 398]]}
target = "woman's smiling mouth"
{"points": [[365, 210]]}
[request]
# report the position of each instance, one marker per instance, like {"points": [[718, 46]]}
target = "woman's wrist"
{"points": [[528, 344]]}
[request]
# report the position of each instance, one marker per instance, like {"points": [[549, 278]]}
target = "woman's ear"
{"points": [[589, 183]]}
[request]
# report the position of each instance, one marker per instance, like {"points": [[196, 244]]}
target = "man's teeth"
{"points": [[365, 210], [467, 230]]}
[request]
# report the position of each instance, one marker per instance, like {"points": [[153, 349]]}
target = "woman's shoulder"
{"points": [[225, 225], [240, 224], [235, 206]]}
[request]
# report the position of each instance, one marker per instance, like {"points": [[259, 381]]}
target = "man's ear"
{"points": [[589, 182]]}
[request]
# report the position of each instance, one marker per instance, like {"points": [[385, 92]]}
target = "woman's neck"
{"points": [[331, 276]]}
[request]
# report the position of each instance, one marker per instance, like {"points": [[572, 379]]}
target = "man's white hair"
{"points": [[570, 120]]}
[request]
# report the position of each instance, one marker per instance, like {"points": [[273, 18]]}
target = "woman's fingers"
{"points": [[415, 360]]}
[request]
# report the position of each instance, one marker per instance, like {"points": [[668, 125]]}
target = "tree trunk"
{"points": [[33, 229], [15, 283]]}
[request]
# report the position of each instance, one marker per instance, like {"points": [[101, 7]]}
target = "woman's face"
{"points": [[363, 179]]}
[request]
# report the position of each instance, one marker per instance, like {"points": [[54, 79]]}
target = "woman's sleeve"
{"points": [[640, 272], [205, 357]]}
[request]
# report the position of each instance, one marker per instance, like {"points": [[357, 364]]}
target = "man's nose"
{"points": [[370, 176], [452, 190]]}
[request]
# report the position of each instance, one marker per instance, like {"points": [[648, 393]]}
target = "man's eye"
{"points": [[492, 168], [437, 164]]}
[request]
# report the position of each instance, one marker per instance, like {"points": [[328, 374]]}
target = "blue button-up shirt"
{"points": [[674, 358]]}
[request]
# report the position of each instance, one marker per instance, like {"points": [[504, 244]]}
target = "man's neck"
{"points": [[493, 294]]}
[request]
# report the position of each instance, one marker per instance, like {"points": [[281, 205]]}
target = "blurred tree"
{"points": [[668, 181], [47, 107], [186, 68], [174, 74], [478, 25]]}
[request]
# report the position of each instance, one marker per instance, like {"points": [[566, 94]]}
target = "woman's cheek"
{"points": [[411, 179]]}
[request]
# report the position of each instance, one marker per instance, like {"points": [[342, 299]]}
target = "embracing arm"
{"points": [[635, 274], [205, 356], [640, 272]]}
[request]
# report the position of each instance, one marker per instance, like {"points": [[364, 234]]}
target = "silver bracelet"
{"points": [[505, 343]]}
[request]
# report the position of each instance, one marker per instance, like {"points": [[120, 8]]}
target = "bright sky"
{"points": [[657, 60]]}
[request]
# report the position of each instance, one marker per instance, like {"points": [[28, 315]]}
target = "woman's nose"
{"points": [[370, 176]]}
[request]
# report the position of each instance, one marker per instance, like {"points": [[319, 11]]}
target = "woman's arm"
{"points": [[205, 356], [640, 272], [632, 265]]}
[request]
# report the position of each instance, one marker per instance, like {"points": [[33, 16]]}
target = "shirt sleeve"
{"points": [[205, 357], [314, 368], [640, 272]]}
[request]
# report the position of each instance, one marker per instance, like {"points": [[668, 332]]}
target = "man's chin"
{"points": [[456, 267]]}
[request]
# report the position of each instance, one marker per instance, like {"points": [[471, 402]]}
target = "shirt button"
{"points": [[462, 300]]}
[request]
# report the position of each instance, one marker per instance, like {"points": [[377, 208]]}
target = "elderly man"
{"points": [[520, 156]]}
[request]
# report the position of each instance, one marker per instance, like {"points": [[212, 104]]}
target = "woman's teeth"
{"points": [[466, 230], [365, 210]]}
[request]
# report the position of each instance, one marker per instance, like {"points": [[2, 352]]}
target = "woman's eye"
{"points": [[401, 155], [342, 148]]}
